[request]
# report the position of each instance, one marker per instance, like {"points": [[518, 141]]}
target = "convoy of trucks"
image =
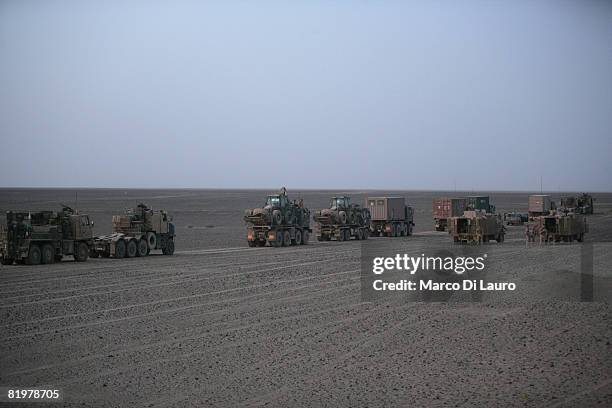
{"points": [[45, 237], [342, 221], [390, 216]]}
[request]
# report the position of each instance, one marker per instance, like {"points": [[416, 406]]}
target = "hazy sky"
{"points": [[329, 94]]}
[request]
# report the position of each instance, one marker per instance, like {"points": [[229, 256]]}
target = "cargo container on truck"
{"points": [[390, 216], [540, 204], [444, 208]]}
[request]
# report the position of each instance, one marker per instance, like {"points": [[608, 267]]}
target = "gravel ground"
{"points": [[222, 324]]}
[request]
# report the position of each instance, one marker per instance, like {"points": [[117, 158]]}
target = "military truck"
{"points": [[45, 237], [390, 216], [136, 233], [279, 222], [582, 204], [444, 208], [342, 221], [476, 227], [560, 227]]}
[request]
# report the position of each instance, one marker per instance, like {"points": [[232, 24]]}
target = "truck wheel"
{"points": [[286, 238], [251, 244], [342, 217], [358, 234], [298, 238], [131, 248], [47, 254], [277, 217], [6, 261], [580, 237], [169, 249], [151, 240], [347, 234], [34, 255], [305, 237], [143, 247], [81, 252], [120, 249], [278, 239]]}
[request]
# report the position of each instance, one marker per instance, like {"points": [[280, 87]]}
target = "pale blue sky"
{"points": [[317, 94]]}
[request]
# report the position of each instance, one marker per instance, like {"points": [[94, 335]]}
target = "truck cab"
{"points": [[340, 202]]}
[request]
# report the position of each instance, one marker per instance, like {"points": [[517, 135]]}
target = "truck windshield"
{"points": [[273, 201], [339, 202]]}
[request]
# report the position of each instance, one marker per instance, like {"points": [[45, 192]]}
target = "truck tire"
{"points": [[81, 252], [47, 254], [34, 255], [287, 239], [305, 237], [169, 249], [277, 217], [279, 239], [298, 238], [347, 234], [143, 247], [120, 249], [251, 243], [358, 234], [6, 261], [131, 248], [342, 217], [152, 240]]}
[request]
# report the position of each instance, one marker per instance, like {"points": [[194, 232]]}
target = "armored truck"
{"points": [[390, 216], [45, 237], [342, 221], [560, 227], [136, 233], [279, 222], [582, 204], [444, 208], [476, 227]]}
